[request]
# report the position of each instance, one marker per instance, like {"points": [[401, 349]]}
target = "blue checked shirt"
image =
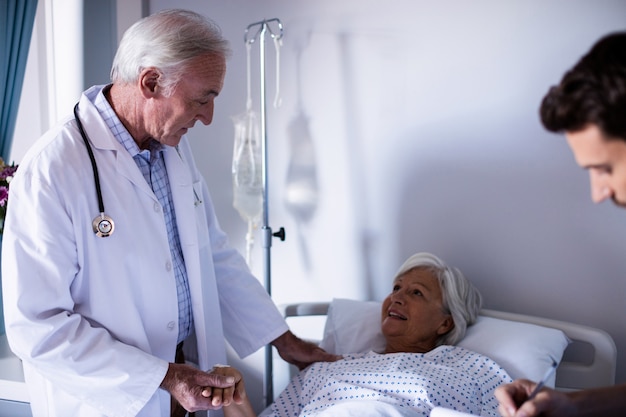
{"points": [[152, 166]]}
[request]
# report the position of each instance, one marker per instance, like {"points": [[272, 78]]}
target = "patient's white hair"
{"points": [[460, 298], [167, 41]]}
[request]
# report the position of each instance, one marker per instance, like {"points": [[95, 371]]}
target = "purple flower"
{"points": [[8, 171], [6, 175], [4, 195]]}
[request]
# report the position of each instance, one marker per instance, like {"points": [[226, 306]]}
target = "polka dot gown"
{"points": [[413, 383]]}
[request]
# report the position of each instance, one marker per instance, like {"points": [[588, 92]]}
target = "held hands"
{"points": [[196, 390], [226, 396], [513, 401], [301, 353]]}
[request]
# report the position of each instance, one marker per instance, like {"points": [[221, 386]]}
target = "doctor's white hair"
{"points": [[460, 298], [167, 41]]}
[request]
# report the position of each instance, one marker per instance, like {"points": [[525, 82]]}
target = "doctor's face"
{"points": [[605, 159], [413, 315], [192, 100]]}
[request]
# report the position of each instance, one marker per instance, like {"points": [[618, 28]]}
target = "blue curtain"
{"points": [[16, 26]]}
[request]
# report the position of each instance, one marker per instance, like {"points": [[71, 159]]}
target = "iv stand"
{"points": [[263, 30]]}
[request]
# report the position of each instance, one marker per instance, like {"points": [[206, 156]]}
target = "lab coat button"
{"points": [[168, 266], [157, 207], [171, 325]]}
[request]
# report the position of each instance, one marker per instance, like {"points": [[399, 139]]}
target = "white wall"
{"points": [[423, 118]]}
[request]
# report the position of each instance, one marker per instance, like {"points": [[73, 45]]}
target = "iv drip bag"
{"points": [[247, 168]]}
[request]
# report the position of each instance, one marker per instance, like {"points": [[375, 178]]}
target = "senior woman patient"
{"points": [[425, 314]]}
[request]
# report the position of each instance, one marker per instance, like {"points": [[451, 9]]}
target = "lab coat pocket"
{"points": [[202, 228]]}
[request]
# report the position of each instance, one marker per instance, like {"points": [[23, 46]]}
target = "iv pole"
{"points": [[266, 230]]}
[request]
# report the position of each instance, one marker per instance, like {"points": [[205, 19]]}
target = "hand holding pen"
{"points": [[543, 380], [517, 398]]}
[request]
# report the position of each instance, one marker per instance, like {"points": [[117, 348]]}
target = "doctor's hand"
{"points": [[513, 399], [194, 389], [301, 353]]}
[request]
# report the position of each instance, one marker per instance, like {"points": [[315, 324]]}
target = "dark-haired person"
{"points": [[589, 107]]}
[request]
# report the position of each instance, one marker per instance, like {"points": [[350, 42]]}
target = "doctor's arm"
{"points": [[299, 352], [236, 283]]}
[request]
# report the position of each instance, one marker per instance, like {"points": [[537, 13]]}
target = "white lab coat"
{"points": [[95, 320]]}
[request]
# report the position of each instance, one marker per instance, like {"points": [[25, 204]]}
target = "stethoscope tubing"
{"points": [[102, 225], [92, 158]]}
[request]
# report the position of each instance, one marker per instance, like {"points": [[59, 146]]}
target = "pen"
{"points": [[543, 381]]}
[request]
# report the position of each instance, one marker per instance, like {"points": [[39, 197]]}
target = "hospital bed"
{"points": [[523, 345]]}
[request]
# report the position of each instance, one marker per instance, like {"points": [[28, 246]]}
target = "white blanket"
{"points": [[394, 385]]}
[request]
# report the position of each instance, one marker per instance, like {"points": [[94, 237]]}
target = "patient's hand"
{"points": [[193, 388], [233, 399], [225, 396], [301, 353]]}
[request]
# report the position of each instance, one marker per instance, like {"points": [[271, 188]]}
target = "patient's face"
{"points": [[412, 315], [605, 159]]}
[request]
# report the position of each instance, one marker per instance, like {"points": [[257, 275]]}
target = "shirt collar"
{"points": [[119, 131]]}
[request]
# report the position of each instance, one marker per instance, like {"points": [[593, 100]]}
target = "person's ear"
{"points": [[446, 326], [149, 80]]}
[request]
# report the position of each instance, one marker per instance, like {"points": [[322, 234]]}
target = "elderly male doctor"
{"points": [[97, 313]]}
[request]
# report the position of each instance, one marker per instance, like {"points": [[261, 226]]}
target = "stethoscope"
{"points": [[102, 224]]}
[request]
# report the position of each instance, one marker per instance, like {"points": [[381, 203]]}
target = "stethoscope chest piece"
{"points": [[103, 225]]}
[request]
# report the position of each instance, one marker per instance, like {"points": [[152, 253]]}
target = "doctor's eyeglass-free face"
{"points": [[168, 118]]}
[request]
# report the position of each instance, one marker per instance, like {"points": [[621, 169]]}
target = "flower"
{"points": [[6, 175]]}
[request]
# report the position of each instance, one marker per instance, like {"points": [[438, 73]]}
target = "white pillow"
{"points": [[523, 350]]}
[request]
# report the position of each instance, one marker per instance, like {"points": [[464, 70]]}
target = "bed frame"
{"points": [[589, 361]]}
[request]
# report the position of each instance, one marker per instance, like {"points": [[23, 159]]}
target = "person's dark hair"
{"points": [[592, 92]]}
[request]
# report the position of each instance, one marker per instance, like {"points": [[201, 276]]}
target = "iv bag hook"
{"points": [[264, 25]]}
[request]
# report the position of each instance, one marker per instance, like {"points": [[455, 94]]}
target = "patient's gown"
{"points": [[394, 385]]}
